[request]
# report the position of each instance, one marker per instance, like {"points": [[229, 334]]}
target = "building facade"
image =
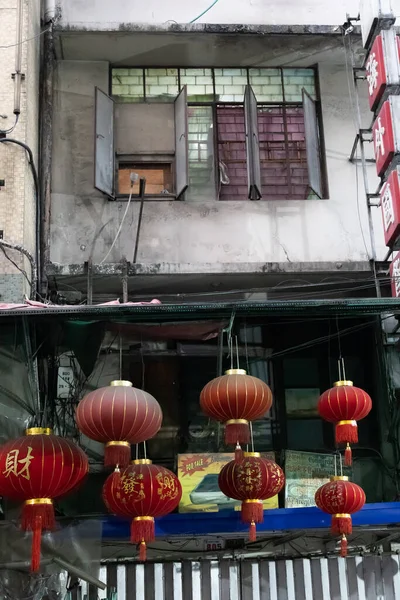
{"points": [[134, 92]]}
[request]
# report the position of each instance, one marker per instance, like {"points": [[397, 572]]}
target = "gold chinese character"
{"points": [[18, 466]]}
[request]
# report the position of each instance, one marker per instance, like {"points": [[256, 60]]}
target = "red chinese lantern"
{"points": [[142, 491], [36, 469], [118, 415], [235, 399], [340, 498], [252, 480], [344, 405]]}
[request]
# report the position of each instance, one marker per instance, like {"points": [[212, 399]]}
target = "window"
{"points": [[222, 133]]}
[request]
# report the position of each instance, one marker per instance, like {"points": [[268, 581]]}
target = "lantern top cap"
{"points": [[142, 461], [120, 383], [252, 454], [235, 372], [339, 478], [343, 383], [38, 431]]}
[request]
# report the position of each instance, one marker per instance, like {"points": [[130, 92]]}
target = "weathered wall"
{"points": [[100, 14], [84, 224], [17, 205]]}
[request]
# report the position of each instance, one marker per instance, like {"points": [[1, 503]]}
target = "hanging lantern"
{"points": [[340, 498], [36, 469], [118, 415], [252, 480], [235, 399], [344, 405], [142, 491]]}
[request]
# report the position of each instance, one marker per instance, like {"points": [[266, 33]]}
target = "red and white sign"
{"points": [[386, 134], [382, 66], [395, 276], [390, 206]]}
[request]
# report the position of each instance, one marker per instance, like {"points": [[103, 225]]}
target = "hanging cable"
{"points": [[204, 12]]}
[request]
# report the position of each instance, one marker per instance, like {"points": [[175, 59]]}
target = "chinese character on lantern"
{"points": [[18, 466], [390, 205], [386, 134], [395, 276]]}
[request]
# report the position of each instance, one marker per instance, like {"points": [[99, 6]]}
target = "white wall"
{"points": [[260, 12], [84, 224], [17, 200]]}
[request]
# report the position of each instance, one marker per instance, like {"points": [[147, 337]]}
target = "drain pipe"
{"points": [[18, 60]]}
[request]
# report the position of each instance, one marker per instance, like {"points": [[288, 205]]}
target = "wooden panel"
{"points": [[158, 178]]}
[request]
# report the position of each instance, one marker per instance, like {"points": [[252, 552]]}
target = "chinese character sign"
{"points": [[376, 72], [395, 276], [390, 206], [385, 133]]}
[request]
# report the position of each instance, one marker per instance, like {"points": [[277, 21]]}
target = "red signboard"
{"points": [[395, 276], [386, 134], [376, 72], [390, 205]]}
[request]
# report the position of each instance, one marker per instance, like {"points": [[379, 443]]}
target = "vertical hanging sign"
{"points": [[395, 276], [386, 134], [390, 207], [383, 67]]}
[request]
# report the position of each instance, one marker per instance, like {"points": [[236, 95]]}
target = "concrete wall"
{"points": [[84, 223], [17, 200], [98, 14]]}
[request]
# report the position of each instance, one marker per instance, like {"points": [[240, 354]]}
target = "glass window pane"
{"points": [[199, 84], [266, 84], [127, 85], [201, 154], [161, 85], [294, 80], [230, 84]]}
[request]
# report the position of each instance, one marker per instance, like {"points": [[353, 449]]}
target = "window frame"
{"points": [[214, 104]]}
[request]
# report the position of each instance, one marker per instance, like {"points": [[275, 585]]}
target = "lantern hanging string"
{"points": [[120, 357], [251, 436], [144, 450], [343, 369], [246, 350], [237, 353], [334, 459]]}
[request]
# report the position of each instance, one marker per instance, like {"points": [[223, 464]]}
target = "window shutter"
{"points": [[104, 143], [181, 144], [252, 145], [312, 145]]}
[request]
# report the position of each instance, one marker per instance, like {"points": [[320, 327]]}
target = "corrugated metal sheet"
{"points": [[370, 578]]}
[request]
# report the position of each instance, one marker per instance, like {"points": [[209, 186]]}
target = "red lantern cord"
{"points": [[252, 480], [340, 498], [344, 405], [36, 469], [235, 399], [142, 491], [118, 415]]}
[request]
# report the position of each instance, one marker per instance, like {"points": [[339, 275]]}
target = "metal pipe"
{"points": [[141, 193], [18, 59]]}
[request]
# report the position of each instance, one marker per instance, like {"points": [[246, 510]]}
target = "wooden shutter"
{"points": [[252, 145], [181, 144], [104, 143], [312, 145]]}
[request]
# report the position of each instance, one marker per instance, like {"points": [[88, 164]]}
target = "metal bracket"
{"points": [[89, 281], [124, 280]]}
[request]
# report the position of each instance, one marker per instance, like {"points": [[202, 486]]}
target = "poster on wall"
{"points": [[198, 474], [305, 473]]}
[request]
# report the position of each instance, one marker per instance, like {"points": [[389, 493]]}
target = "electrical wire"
{"points": [[120, 226], [8, 131], [26, 40], [24, 273], [204, 12]]}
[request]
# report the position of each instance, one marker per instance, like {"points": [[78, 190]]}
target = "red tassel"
{"points": [[252, 532], [343, 546], [142, 551], [237, 433], [252, 511], [117, 454], [239, 455], [142, 530], [37, 516], [341, 525], [348, 458], [347, 432]]}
